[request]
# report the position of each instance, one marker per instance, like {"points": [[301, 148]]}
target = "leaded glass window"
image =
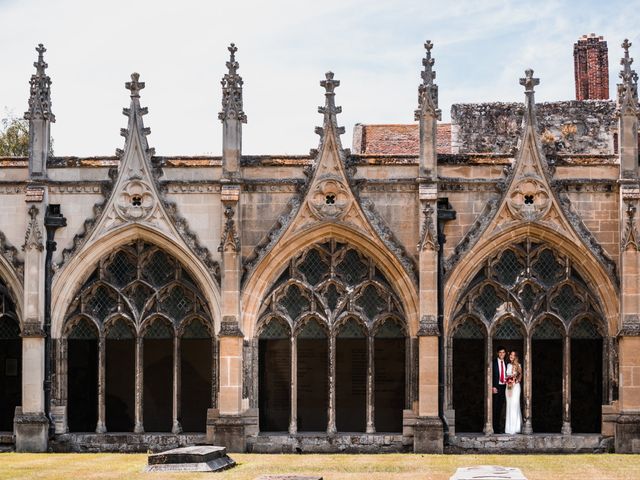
{"points": [[547, 268], [585, 329], [158, 330], [312, 329], [508, 329], [566, 303], [508, 268], [468, 330], [9, 328], [488, 302], [274, 329], [83, 330], [390, 329], [547, 330], [528, 296], [137, 281], [196, 329], [351, 329], [332, 280], [119, 330]]}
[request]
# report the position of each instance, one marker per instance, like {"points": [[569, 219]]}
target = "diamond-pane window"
{"points": [[352, 269], [566, 303], [83, 330], [508, 330], [122, 269], [508, 268], [469, 330], [333, 296], [9, 328], [100, 303], [158, 330], [390, 329], [371, 302], [547, 268], [158, 270], [585, 329], [313, 267], [196, 329], [294, 302], [312, 329], [275, 329], [176, 305], [488, 301], [351, 329], [120, 330], [547, 330], [528, 297], [139, 296]]}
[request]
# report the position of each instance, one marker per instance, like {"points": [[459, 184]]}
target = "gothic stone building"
{"points": [[339, 301]]}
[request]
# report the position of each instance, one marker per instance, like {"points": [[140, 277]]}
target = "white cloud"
{"points": [[285, 46]]}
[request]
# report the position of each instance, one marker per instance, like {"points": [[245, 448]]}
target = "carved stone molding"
{"points": [[230, 241], [10, 254], [428, 326], [529, 200], [630, 326], [135, 201], [229, 327], [630, 236], [429, 237], [33, 236], [330, 198], [32, 329]]}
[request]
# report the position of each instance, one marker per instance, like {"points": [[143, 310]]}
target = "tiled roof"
{"points": [[396, 139]]}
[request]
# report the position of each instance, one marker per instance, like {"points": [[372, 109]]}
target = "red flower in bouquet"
{"points": [[510, 382]]}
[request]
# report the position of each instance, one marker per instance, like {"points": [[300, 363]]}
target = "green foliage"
{"points": [[14, 137]]}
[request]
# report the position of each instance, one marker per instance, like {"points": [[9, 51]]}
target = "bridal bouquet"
{"points": [[510, 382]]}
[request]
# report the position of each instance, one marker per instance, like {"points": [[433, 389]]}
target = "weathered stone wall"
{"points": [[565, 127]]}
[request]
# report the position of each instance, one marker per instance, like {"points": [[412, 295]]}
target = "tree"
{"points": [[14, 137]]}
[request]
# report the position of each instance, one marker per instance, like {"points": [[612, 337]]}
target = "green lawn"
{"points": [[331, 467]]}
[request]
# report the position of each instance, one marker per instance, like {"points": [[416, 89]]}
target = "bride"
{"points": [[513, 422]]}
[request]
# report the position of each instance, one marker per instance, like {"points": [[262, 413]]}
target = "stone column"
{"points": [[139, 421], [177, 428], [488, 398], [527, 427], [101, 425], [566, 386], [371, 427], [331, 423], [293, 420]]}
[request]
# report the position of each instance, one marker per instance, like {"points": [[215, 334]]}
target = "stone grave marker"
{"points": [[201, 458], [488, 472]]}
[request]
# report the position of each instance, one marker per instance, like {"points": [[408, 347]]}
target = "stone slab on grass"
{"points": [[202, 458], [288, 477], [488, 472]]}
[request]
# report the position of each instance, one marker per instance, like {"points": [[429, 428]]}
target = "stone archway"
{"points": [[10, 359]]}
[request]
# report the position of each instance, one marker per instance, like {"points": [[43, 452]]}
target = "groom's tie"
{"points": [[501, 363]]}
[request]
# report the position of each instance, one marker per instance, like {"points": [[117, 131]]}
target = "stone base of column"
{"points": [[231, 431], [428, 436], [32, 431], [627, 432]]}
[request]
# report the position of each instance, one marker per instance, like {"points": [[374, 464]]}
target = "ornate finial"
{"points": [[232, 90], [528, 81], [428, 90], [330, 111], [628, 89], [40, 91], [134, 85]]}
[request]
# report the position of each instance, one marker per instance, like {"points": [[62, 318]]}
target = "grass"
{"points": [[26, 466]]}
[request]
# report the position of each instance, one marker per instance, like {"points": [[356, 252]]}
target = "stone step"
{"points": [[124, 442], [202, 458], [7, 438], [319, 442]]}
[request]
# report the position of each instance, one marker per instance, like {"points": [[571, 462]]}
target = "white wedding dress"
{"points": [[513, 421]]}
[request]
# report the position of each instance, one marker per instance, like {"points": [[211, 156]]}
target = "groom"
{"points": [[499, 388]]}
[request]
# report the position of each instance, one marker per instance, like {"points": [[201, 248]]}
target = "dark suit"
{"points": [[498, 398]]}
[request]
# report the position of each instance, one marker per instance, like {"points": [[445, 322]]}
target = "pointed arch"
{"points": [[271, 266], [582, 259], [10, 278], [70, 278]]}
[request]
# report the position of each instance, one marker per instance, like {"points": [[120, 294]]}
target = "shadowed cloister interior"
{"points": [[530, 298], [137, 351], [332, 346]]}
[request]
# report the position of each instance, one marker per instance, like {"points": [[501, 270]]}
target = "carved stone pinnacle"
{"points": [[134, 85]]}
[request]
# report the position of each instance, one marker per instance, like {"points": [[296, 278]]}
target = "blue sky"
{"points": [[375, 48]]}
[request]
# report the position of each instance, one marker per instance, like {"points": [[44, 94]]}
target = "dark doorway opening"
{"points": [[351, 378], [82, 377], [120, 369], [546, 385], [158, 377], [312, 378], [274, 360], [510, 336], [586, 379], [469, 383], [196, 354], [10, 370], [389, 377]]}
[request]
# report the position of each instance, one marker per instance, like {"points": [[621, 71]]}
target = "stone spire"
{"points": [[428, 90], [628, 111], [628, 89], [330, 111], [232, 116], [428, 115], [135, 113], [528, 82], [40, 117]]}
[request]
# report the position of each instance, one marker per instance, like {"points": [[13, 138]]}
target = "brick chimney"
{"points": [[591, 64]]}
